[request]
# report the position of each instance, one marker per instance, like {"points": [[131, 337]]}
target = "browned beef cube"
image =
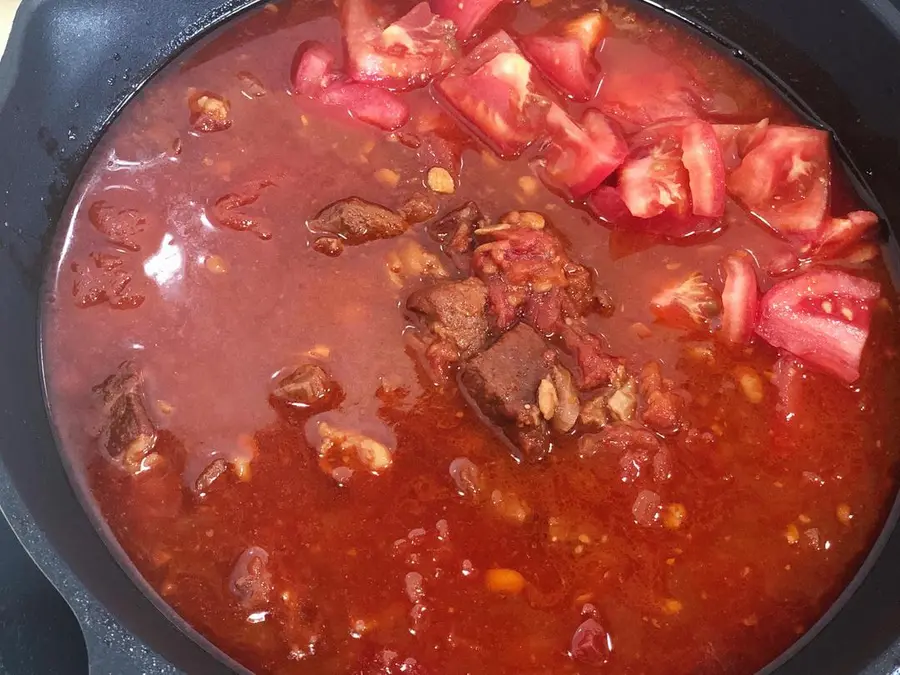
{"points": [[456, 233], [127, 433], [456, 313], [503, 381], [308, 386], [357, 221]]}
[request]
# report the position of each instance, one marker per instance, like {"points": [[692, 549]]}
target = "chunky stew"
{"points": [[473, 336]]}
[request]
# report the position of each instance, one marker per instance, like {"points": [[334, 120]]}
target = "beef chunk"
{"points": [[504, 380], [251, 581], [127, 434], [663, 404], [308, 386], [419, 208], [209, 475], [456, 313], [595, 366], [456, 233], [357, 221]]}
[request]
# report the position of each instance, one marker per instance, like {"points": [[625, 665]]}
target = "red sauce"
{"points": [[535, 567]]}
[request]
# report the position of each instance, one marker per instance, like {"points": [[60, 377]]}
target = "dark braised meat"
{"points": [[503, 381], [456, 233], [308, 386], [456, 314], [420, 207], [210, 474], [251, 581], [119, 225], [595, 366], [127, 434], [357, 221]]}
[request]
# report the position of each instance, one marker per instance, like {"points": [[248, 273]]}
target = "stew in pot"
{"points": [[476, 337]]}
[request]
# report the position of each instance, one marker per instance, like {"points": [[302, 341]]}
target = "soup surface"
{"points": [[407, 351]]}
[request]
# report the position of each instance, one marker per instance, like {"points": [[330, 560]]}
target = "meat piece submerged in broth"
{"points": [[503, 382], [456, 313], [357, 221], [127, 434]]}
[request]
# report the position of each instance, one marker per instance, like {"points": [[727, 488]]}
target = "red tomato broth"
{"points": [[223, 310]]}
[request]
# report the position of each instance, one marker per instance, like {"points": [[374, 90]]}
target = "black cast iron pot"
{"points": [[71, 65]]}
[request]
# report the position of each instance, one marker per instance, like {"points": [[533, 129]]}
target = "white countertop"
{"points": [[7, 11]]}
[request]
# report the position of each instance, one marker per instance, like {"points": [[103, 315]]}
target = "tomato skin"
{"points": [[581, 157], [494, 91], [466, 14], [565, 55], [368, 103], [401, 56], [740, 298], [822, 317], [313, 69], [702, 158], [785, 181], [606, 203], [315, 77], [841, 234]]}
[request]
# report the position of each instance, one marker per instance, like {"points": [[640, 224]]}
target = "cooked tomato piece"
{"points": [[565, 55], [740, 298], [641, 87], [580, 157], [822, 317], [652, 183], [493, 90], [313, 69], [689, 303], [785, 180], [403, 55], [840, 234], [368, 103], [736, 140], [702, 158], [607, 204], [466, 14]]}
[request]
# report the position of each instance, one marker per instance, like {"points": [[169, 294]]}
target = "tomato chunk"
{"points": [[740, 298], [368, 103], [653, 179], [466, 14], [493, 90], [315, 77], [565, 55], [403, 55], [702, 158], [841, 234], [689, 303], [580, 157], [822, 317], [785, 180], [607, 204], [313, 69], [641, 87], [736, 140]]}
